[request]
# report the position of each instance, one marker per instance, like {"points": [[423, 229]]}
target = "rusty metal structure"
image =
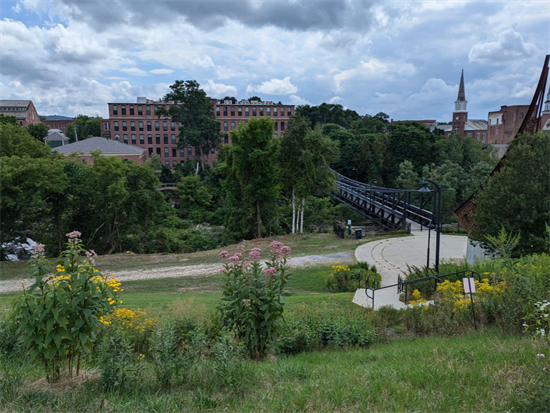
{"points": [[531, 124]]}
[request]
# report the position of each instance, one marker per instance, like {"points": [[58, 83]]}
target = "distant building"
{"points": [[58, 122], [56, 138], [460, 124], [545, 119], [136, 124], [23, 110], [107, 148]]}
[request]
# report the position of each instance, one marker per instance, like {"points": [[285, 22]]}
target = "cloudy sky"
{"points": [[400, 57]]}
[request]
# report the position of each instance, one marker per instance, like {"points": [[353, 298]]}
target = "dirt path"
{"points": [[14, 285]]}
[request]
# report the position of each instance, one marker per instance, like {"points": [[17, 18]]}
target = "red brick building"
{"points": [[504, 123], [23, 110], [136, 124], [58, 122]]}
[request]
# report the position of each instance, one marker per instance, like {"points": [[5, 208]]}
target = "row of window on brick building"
{"points": [[149, 126], [227, 111]]}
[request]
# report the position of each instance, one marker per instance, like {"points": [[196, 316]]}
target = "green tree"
{"points": [[16, 141], [38, 131], [517, 197], [194, 198], [195, 112], [251, 184], [408, 178], [83, 127], [10, 120], [305, 157]]}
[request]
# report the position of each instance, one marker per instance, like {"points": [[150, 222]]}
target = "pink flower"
{"points": [[223, 255], [235, 259], [247, 264], [255, 254], [270, 272], [38, 248], [285, 251], [246, 301], [276, 245], [240, 247], [74, 234], [94, 254]]}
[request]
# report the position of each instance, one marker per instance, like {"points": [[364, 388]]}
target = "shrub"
{"points": [[346, 278], [58, 317], [252, 300], [136, 325], [115, 359]]}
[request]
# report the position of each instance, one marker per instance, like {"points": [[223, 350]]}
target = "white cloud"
{"points": [[297, 100], [161, 71], [509, 45], [335, 99], [134, 71], [219, 90], [274, 87]]}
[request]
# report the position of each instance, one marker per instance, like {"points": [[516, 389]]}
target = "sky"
{"points": [[402, 58]]}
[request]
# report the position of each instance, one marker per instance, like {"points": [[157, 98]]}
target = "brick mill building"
{"points": [[136, 124], [23, 110], [58, 122]]}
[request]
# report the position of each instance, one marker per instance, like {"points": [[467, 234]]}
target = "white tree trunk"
{"points": [[302, 215], [293, 211]]}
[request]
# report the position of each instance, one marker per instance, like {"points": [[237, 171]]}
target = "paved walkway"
{"points": [[392, 255]]}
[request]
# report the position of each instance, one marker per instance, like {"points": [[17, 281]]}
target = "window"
{"points": [[174, 152], [140, 126], [225, 111], [165, 139], [116, 126], [268, 109], [124, 126], [150, 139], [189, 151], [282, 126], [149, 129], [115, 110], [157, 126], [133, 126], [456, 129], [165, 126], [133, 139], [150, 151], [157, 139], [123, 109], [142, 139], [182, 153], [148, 110], [131, 110], [521, 115], [225, 128], [212, 151], [469, 134], [182, 162], [497, 121], [125, 138], [174, 163], [240, 111], [158, 151], [275, 135], [217, 111], [106, 126], [232, 110], [173, 126], [289, 111], [262, 111], [275, 111], [140, 110], [247, 111], [483, 138], [226, 139], [167, 163], [173, 137], [477, 135], [232, 125], [276, 125], [254, 111]]}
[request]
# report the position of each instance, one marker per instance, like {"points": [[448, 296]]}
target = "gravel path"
{"points": [[14, 285]]}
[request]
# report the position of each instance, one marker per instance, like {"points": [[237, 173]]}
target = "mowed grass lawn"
{"points": [[485, 372]]}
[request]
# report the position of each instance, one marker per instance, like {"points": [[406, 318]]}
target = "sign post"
{"points": [[349, 226], [470, 288]]}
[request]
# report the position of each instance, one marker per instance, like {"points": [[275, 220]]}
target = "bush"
{"points": [[345, 278], [115, 358]]}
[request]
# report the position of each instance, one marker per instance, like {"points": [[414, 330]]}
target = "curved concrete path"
{"points": [[392, 255]]}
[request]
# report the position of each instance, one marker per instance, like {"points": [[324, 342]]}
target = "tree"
{"points": [[16, 141], [195, 112], [251, 183], [517, 196], [83, 127], [305, 157], [38, 131], [195, 199], [10, 120], [408, 178]]}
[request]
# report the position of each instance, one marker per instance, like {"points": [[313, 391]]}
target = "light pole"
{"points": [[425, 189], [355, 170]]}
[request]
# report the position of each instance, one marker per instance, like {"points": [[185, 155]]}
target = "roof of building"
{"points": [[444, 128], [461, 90], [475, 124], [413, 120], [97, 143], [15, 103], [57, 117], [56, 135]]}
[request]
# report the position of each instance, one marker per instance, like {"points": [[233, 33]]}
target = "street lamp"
{"points": [[425, 189]]}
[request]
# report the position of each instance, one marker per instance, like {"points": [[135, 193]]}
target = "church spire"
{"points": [[461, 91], [461, 102]]}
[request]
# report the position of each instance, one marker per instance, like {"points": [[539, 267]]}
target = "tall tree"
{"points": [[250, 167], [195, 112], [38, 131]]}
